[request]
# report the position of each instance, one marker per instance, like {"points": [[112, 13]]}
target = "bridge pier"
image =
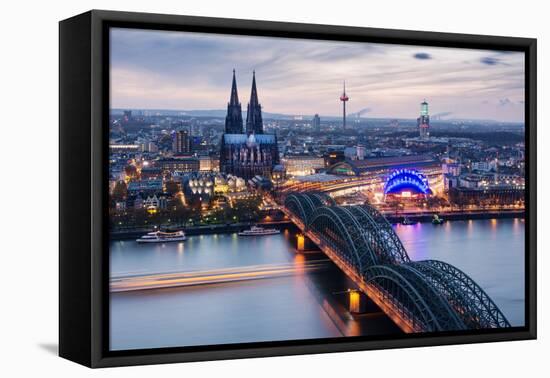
{"points": [[303, 243], [357, 302]]}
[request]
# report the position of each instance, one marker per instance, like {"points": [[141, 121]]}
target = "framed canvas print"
{"points": [[234, 188]]}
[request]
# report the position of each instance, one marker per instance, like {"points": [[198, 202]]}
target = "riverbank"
{"points": [[392, 218], [455, 216], [201, 230]]}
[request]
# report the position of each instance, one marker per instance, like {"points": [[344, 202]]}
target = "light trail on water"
{"points": [[204, 277]]}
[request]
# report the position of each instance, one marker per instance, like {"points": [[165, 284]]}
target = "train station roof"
{"points": [[359, 167]]}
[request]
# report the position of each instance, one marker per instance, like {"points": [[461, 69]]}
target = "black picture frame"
{"points": [[83, 232]]}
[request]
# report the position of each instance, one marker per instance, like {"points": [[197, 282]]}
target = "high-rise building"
{"points": [[316, 122], [127, 115], [424, 121], [254, 124], [234, 118], [251, 153], [344, 98], [181, 144]]}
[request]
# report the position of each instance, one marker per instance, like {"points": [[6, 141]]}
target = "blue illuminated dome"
{"points": [[407, 180]]}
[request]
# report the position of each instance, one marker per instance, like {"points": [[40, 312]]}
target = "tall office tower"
{"points": [[234, 118], [181, 144], [424, 121], [127, 115], [316, 122], [254, 124], [344, 98]]}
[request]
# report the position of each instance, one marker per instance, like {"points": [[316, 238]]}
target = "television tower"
{"points": [[344, 98]]}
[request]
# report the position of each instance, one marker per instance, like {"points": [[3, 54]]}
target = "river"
{"points": [[294, 296]]}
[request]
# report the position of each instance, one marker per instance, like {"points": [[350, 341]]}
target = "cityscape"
{"points": [[236, 224]]}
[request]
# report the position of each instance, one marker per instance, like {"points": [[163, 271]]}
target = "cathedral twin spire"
{"points": [[234, 120]]}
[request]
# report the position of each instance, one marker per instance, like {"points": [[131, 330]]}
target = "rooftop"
{"points": [[319, 177], [391, 161], [242, 138], [358, 167]]}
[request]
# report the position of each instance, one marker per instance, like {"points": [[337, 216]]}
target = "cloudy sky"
{"points": [[192, 71]]}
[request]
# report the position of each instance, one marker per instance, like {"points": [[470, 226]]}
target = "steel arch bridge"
{"points": [[420, 296]]}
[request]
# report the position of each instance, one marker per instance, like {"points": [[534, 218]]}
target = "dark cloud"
{"points": [[505, 102], [489, 61], [361, 112], [442, 114], [422, 56], [159, 69]]}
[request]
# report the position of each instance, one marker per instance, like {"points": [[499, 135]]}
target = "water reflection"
{"points": [[492, 252], [302, 304]]}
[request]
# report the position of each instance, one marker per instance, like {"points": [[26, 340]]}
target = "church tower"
{"points": [[234, 118], [254, 122], [249, 153]]}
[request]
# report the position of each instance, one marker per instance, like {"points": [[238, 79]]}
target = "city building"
{"points": [[149, 147], [378, 175], [127, 115], [155, 202], [198, 144], [260, 183], [333, 157], [367, 166], [151, 173], [278, 175], [247, 153], [470, 181], [355, 153], [423, 121], [484, 166], [170, 165], [360, 151], [492, 195], [181, 144], [302, 165], [208, 163], [199, 183], [317, 123], [123, 148], [145, 187], [452, 168]]}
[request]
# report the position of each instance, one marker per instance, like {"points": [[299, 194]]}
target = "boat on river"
{"points": [[259, 231], [162, 237]]}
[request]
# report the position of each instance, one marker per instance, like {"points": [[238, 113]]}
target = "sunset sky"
{"points": [[192, 71]]}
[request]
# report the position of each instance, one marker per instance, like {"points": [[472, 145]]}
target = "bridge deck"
{"points": [[405, 322]]}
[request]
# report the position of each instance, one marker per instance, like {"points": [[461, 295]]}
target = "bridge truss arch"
{"points": [[381, 235], [342, 231], [304, 204], [431, 294], [476, 308], [418, 301]]}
